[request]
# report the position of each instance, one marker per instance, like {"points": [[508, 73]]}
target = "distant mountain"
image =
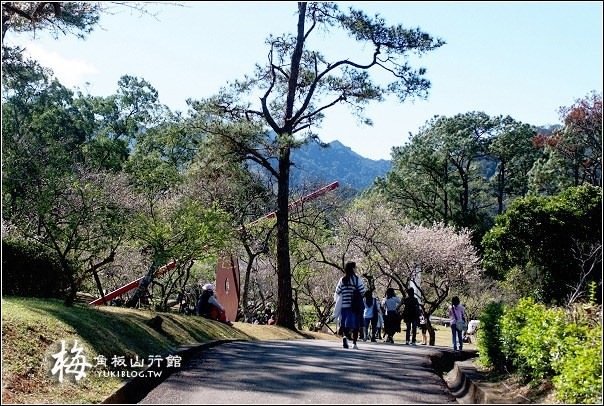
{"points": [[335, 162]]}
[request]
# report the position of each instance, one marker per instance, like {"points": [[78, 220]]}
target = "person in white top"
{"points": [[349, 320], [392, 320], [423, 324], [456, 312], [370, 316]]}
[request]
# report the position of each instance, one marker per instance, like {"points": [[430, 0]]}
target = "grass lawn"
{"points": [[32, 331]]}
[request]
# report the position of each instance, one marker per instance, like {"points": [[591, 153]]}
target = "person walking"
{"points": [[370, 316], [411, 316], [423, 324], [457, 312], [350, 320], [380, 323], [337, 313], [392, 320]]}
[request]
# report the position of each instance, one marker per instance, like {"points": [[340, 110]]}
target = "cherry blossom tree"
{"points": [[436, 260]]}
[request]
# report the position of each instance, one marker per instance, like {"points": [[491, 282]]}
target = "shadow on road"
{"points": [[270, 368]]}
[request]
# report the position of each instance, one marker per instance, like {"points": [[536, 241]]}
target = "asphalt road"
{"points": [[305, 371]]}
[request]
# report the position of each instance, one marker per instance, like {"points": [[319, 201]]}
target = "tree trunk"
{"points": [[71, 280], [142, 286], [297, 314], [285, 311], [73, 286], [99, 286], [465, 209], [431, 332], [501, 187], [246, 288]]}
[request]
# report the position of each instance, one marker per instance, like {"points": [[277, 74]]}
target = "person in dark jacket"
{"points": [[411, 316], [209, 307], [392, 321]]}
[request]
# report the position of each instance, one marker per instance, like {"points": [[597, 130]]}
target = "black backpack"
{"points": [[358, 302]]}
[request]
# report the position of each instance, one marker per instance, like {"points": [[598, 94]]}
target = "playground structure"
{"points": [[227, 267]]}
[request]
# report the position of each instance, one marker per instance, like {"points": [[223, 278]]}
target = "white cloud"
{"points": [[70, 72]]}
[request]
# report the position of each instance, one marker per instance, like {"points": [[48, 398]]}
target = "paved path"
{"points": [[305, 371]]}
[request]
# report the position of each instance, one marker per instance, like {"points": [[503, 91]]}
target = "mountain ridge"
{"points": [[336, 161]]}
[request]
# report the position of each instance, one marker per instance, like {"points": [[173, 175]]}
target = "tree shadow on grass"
{"points": [[113, 332]]}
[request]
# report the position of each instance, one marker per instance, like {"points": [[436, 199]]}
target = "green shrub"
{"points": [[531, 337], [539, 340], [489, 336], [30, 270], [308, 317], [512, 321], [579, 368], [543, 343]]}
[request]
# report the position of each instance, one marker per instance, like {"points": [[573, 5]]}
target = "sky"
{"points": [[522, 59]]}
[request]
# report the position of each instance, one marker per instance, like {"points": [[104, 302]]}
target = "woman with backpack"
{"points": [[350, 318]]}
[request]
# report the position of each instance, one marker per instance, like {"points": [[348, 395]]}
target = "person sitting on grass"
{"points": [[209, 307]]}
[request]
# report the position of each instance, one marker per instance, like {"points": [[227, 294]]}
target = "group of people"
{"points": [[386, 315], [369, 323]]}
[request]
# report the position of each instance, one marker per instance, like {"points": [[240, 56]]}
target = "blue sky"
{"points": [[523, 59]]}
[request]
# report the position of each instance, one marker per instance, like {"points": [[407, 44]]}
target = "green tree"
{"points": [[513, 150], [297, 86], [48, 193], [122, 120], [574, 151], [81, 217], [174, 222], [555, 239], [77, 18], [42, 128], [57, 149], [419, 183], [179, 229], [548, 175], [440, 175]]}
